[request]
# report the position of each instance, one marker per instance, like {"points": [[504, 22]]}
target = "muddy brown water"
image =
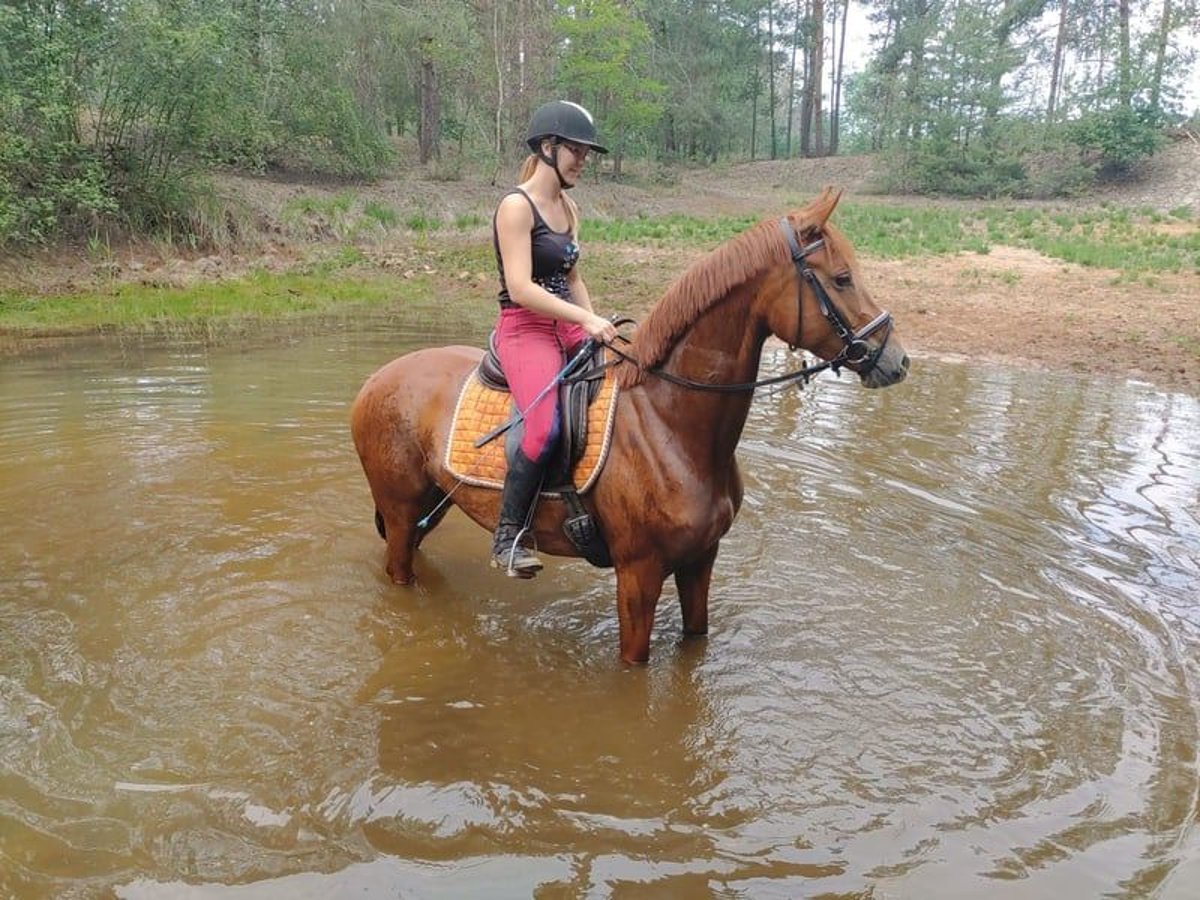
{"points": [[955, 652]]}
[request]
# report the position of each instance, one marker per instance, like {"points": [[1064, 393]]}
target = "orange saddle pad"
{"points": [[480, 410]]}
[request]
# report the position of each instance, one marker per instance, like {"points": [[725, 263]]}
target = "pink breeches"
{"points": [[533, 349]]}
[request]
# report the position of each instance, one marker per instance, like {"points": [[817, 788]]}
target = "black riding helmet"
{"points": [[564, 120], [561, 120]]}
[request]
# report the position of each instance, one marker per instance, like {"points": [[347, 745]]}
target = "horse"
{"points": [[670, 488]]}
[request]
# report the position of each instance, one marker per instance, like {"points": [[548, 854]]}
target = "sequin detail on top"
{"points": [[555, 254]]}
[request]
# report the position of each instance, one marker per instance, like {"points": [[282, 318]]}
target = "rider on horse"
{"points": [[545, 309]]}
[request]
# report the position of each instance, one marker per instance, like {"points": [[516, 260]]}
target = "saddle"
{"points": [[475, 453]]}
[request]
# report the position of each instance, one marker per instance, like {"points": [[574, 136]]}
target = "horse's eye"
{"points": [[843, 280]]}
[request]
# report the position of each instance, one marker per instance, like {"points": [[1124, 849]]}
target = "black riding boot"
{"points": [[521, 485]]}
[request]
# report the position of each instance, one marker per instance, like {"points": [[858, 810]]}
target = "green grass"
{"points": [[260, 296], [384, 215], [421, 223], [330, 207], [674, 228], [334, 285], [467, 221]]}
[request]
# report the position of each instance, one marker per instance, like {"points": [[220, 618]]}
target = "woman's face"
{"points": [[571, 159]]}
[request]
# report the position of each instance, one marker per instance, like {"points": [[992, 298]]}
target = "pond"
{"points": [[955, 650]]}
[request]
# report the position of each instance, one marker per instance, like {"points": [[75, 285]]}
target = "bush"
{"points": [[49, 189], [1123, 135], [938, 166]]}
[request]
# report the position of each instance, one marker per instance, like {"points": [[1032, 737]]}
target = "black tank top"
{"points": [[554, 255]]}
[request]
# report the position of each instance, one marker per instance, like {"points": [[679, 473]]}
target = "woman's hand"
{"points": [[599, 328]]}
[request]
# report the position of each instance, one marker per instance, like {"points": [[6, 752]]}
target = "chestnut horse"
{"points": [[670, 488]]}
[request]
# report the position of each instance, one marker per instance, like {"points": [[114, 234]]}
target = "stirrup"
{"points": [[516, 560]]}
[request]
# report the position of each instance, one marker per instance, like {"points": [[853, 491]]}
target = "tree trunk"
{"points": [[1056, 69], [771, 74], [497, 55], [1160, 55], [431, 113], [835, 117], [818, 50], [754, 103], [792, 81], [806, 95], [1124, 67]]}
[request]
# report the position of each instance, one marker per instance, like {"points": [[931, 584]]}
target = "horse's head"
{"points": [[819, 301]]}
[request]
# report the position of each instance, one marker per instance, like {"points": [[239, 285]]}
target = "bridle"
{"points": [[856, 354]]}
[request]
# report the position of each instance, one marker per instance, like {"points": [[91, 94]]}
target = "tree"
{"points": [[605, 64]]}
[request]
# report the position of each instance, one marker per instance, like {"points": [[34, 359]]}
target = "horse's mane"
{"points": [[709, 280]]}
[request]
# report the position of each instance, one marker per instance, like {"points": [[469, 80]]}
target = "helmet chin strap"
{"points": [[552, 162]]}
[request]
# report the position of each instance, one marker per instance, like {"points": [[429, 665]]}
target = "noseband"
{"points": [[857, 355]]}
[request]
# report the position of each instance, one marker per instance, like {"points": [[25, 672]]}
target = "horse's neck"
{"points": [[723, 346]]}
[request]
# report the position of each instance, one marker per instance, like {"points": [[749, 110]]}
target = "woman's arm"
{"points": [[514, 221], [579, 291]]}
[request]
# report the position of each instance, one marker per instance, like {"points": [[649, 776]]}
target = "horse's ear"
{"points": [[817, 213], [824, 205]]}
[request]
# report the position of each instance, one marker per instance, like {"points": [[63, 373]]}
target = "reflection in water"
{"points": [[954, 653]]}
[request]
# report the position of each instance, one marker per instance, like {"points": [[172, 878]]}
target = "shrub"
{"points": [[1122, 136]]}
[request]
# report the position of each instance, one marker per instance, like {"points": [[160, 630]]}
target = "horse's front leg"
{"points": [[639, 586], [693, 581]]}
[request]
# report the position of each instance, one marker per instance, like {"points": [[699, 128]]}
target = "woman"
{"points": [[545, 308]]}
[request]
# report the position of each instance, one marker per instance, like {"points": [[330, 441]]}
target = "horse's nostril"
{"points": [[904, 362]]}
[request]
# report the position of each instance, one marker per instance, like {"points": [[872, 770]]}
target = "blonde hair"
{"points": [[528, 168]]}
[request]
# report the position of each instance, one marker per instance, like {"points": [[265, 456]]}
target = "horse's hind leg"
{"points": [[401, 533], [404, 524], [436, 506], [693, 582]]}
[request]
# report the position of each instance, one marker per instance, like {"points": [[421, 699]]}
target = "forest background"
{"points": [[114, 114]]}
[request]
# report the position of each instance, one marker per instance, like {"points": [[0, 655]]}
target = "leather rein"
{"points": [[856, 354]]}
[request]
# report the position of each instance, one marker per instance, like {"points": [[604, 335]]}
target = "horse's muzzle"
{"points": [[890, 368]]}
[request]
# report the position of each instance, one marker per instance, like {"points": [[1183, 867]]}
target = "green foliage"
{"points": [[1123, 135], [936, 166], [324, 128], [112, 112], [47, 189], [605, 62]]}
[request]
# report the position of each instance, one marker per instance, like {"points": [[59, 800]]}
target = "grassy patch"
{"points": [[429, 278], [467, 221], [384, 215], [672, 228], [141, 307], [421, 223]]}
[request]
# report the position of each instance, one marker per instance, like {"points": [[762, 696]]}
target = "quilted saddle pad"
{"points": [[480, 410]]}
